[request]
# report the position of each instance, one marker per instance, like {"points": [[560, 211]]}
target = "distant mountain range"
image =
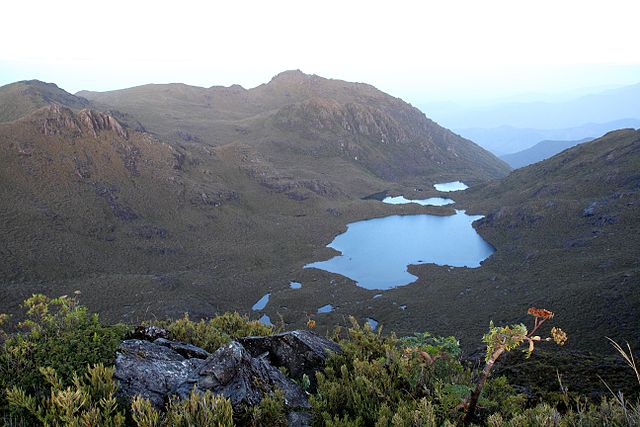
{"points": [[540, 151], [600, 107], [509, 127], [507, 139]]}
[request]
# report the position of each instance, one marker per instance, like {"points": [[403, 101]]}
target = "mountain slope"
{"points": [[566, 231], [540, 151], [21, 98], [296, 112]]}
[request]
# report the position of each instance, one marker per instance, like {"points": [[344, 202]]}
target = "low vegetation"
{"points": [[56, 370]]}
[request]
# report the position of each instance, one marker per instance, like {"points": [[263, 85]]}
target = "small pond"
{"points": [[447, 187], [373, 323], [295, 285], [375, 253], [432, 201], [265, 320], [262, 303], [325, 309]]}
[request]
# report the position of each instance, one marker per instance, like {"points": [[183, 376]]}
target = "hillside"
{"points": [[296, 114], [566, 231], [540, 151]]}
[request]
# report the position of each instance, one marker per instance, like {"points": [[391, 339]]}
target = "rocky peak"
{"points": [[290, 76]]}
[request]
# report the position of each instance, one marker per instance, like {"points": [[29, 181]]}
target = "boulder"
{"points": [[184, 349], [243, 379], [300, 352], [150, 370]]}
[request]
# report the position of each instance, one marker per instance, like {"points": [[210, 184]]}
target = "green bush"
{"points": [[200, 409], [378, 379], [271, 412], [52, 372], [90, 401], [58, 334], [213, 333]]}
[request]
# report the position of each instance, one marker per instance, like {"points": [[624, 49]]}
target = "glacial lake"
{"points": [[375, 253], [447, 187], [432, 201]]}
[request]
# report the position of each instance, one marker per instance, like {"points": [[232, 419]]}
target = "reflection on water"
{"points": [[446, 187], [265, 320], [262, 303], [432, 201], [375, 253], [325, 309]]}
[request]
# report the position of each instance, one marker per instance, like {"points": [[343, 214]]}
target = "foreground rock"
{"points": [[244, 371], [151, 370], [243, 379], [300, 352]]}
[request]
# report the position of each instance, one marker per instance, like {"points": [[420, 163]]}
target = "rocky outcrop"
{"points": [[151, 370], [243, 379], [58, 120], [300, 352], [95, 121], [244, 371]]}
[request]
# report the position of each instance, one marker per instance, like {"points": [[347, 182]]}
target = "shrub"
{"points": [[378, 379], [213, 333], [58, 334], [271, 412], [90, 401]]}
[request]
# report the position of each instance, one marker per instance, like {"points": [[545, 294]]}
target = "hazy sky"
{"points": [[418, 50]]}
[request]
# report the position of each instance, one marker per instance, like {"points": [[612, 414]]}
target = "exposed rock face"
{"points": [[184, 349], [158, 369], [150, 370], [95, 121], [59, 120], [301, 352], [233, 372]]}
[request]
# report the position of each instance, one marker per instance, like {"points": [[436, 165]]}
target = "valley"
{"points": [[164, 199]]}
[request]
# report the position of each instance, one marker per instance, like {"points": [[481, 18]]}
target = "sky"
{"points": [[422, 51]]}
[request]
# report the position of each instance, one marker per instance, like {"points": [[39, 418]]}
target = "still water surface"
{"points": [[447, 187], [375, 253], [432, 201]]}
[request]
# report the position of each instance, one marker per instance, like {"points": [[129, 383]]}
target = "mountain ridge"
{"points": [[539, 152]]}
